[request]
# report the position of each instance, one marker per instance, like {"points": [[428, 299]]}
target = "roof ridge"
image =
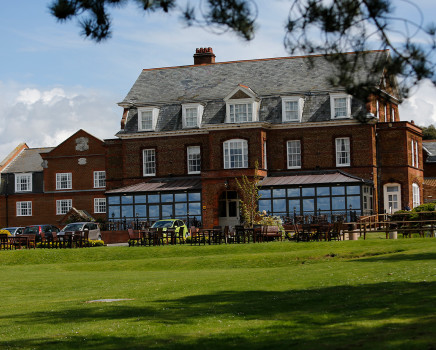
{"points": [[261, 59]]}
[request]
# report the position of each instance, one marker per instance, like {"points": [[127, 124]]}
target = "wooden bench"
{"points": [[271, 232]]}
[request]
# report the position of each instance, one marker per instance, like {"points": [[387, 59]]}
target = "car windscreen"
{"points": [[31, 230], [162, 223], [73, 227]]}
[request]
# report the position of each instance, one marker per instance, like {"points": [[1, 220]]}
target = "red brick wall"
{"points": [[114, 236], [318, 150], [63, 159], [44, 207], [396, 158]]}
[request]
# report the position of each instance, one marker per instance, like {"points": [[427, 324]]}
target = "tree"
{"points": [[429, 132], [342, 25], [249, 196]]}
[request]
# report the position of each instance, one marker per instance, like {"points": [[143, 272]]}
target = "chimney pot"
{"points": [[204, 55]]}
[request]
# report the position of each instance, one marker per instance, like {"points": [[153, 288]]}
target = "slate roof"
{"points": [[430, 148], [28, 161], [310, 178], [161, 185], [308, 76]]}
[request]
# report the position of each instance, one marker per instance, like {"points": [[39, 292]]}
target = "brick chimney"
{"points": [[204, 55]]}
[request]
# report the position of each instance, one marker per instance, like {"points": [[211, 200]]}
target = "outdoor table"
{"points": [[202, 235], [30, 240], [216, 236], [19, 241], [66, 241]]}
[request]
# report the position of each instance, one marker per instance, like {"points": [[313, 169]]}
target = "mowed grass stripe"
{"points": [[375, 295]]}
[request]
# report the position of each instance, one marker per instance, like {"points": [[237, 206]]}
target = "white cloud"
{"points": [[421, 105], [46, 117]]}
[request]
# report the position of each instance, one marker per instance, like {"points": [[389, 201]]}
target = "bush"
{"points": [[91, 243], [424, 211]]}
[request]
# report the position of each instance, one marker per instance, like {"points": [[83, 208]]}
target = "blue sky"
{"points": [[54, 82]]}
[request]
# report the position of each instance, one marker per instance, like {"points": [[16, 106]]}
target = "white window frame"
{"points": [[265, 159], [23, 186], [24, 208], [416, 154], [386, 193], [99, 179], [340, 153], [300, 103], [63, 206], [415, 195], [392, 114], [333, 98], [235, 145], [154, 116], [186, 124], [377, 109], [386, 113], [60, 181], [248, 103], [99, 205], [193, 156], [149, 165], [412, 144], [293, 151]]}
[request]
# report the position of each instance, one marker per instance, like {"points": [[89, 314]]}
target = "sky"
{"points": [[54, 82]]}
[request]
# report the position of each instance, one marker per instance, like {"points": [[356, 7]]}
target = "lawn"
{"points": [[373, 294]]}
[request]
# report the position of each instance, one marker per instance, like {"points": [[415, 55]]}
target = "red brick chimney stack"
{"points": [[204, 55]]}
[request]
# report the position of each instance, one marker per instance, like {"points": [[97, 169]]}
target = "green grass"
{"points": [[373, 294]]}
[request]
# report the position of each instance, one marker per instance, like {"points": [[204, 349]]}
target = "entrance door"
{"points": [[229, 209], [392, 197]]}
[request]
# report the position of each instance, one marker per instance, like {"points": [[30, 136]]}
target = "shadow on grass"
{"points": [[397, 315], [399, 257]]}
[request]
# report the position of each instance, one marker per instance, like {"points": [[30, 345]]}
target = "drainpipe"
{"points": [[378, 169], [6, 198]]}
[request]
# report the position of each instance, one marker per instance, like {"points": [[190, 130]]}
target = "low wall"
{"points": [[115, 236]]}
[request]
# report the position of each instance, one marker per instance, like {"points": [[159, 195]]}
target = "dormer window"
{"points": [[147, 118], [340, 105], [292, 109], [242, 106], [192, 115]]}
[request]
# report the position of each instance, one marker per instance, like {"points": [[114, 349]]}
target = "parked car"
{"points": [[91, 227], [37, 229], [14, 230], [172, 223]]}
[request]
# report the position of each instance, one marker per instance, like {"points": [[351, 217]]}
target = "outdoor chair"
{"points": [[289, 231], [52, 240], [85, 238], [4, 241], [257, 234], [239, 234], [336, 231], [147, 237], [217, 235], [158, 238], [226, 234], [134, 237], [43, 240], [170, 235], [78, 239], [196, 237], [67, 240]]}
